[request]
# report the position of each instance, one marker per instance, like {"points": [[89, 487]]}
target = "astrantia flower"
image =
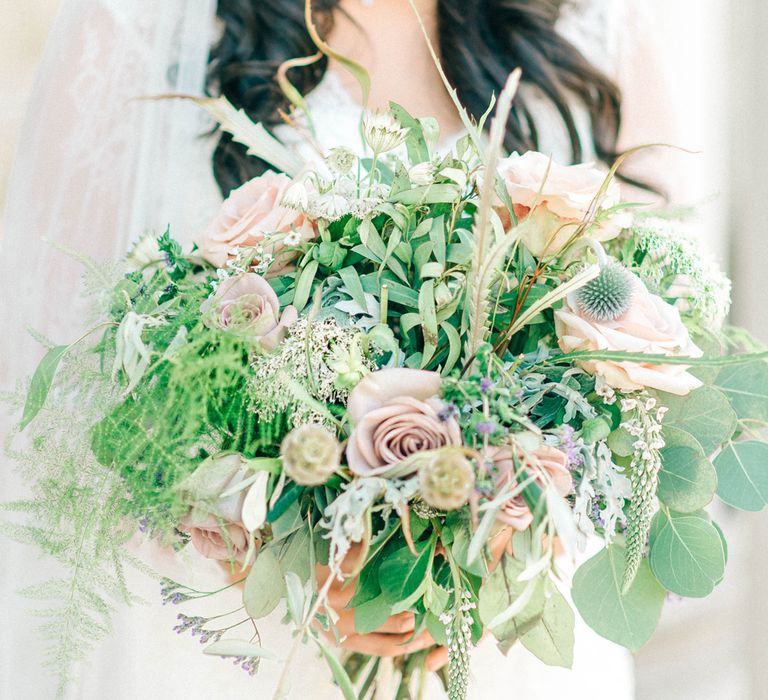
{"points": [[296, 197], [331, 207], [311, 454], [341, 160], [446, 479], [144, 254], [422, 174], [382, 131]]}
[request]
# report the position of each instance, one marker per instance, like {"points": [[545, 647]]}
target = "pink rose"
{"points": [[545, 463], [649, 326], [252, 214], [395, 415], [215, 524], [248, 303], [551, 200]]}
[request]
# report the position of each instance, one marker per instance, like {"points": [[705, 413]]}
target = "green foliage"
{"points": [[687, 480], [41, 383], [265, 585], [742, 473], [627, 618], [552, 639], [686, 553], [746, 387]]}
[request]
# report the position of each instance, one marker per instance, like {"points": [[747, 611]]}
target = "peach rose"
{"points": [[649, 326], [248, 303], [215, 524], [551, 200], [543, 461], [249, 216], [396, 414]]}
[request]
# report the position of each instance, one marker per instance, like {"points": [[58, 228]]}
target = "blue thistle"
{"points": [[609, 295]]}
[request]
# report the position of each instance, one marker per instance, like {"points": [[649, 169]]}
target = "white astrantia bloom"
{"points": [[382, 132], [330, 207], [422, 174], [144, 254], [296, 197]]}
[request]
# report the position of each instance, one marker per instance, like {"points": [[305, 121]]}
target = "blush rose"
{"points": [[251, 215], [396, 414], [650, 326]]}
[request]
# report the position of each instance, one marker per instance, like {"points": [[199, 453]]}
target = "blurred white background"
{"points": [[714, 55]]}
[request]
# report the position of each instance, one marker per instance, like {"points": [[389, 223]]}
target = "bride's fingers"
{"points": [[404, 623], [387, 644], [437, 658]]}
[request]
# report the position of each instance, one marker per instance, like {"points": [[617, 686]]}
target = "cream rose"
{"points": [[544, 464], [214, 523], [551, 200], [650, 326], [251, 215], [248, 303], [395, 415]]}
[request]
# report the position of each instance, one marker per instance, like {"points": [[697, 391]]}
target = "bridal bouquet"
{"points": [[435, 377]]}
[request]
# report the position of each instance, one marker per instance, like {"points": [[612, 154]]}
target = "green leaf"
{"points": [[371, 239], [746, 387], [628, 619], [687, 480], [265, 585], [742, 474], [371, 615], [460, 552], [685, 553], [398, 293], [551, 640], [41, 383], [304, 285], [500, 590], [339, 674], [416, 145], [354, 286], [294, 554], [428, 312], [705, 413], [401, 574], [454, 346], [429, 194], [437, 236]]}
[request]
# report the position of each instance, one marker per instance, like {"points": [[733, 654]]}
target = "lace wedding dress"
{"points": [[124, 177]]}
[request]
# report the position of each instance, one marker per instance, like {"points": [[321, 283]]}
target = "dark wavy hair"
{"points": [[481, 41]]}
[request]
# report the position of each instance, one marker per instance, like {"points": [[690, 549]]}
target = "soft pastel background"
{"points": [[716, 58]]}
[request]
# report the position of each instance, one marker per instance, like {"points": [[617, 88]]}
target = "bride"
{"points": [[99, 168]]}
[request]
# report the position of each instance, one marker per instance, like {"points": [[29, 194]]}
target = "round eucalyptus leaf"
{"points": [[628, 619], [265, 585], [746, 386], [742, 474], [686, 553], [687, 480], [705, 413]]}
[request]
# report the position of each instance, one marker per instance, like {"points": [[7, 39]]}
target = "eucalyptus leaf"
{"points": [[295, 555], [265, 585], [552, 639], [687, 480], [628, 619], [41, 384], [746, 386], [742, 474], [502, 590], [686, 553], [705, 413], [296, 598]]}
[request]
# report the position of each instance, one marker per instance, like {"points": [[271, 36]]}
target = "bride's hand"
{"points": [[393, 638]]}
